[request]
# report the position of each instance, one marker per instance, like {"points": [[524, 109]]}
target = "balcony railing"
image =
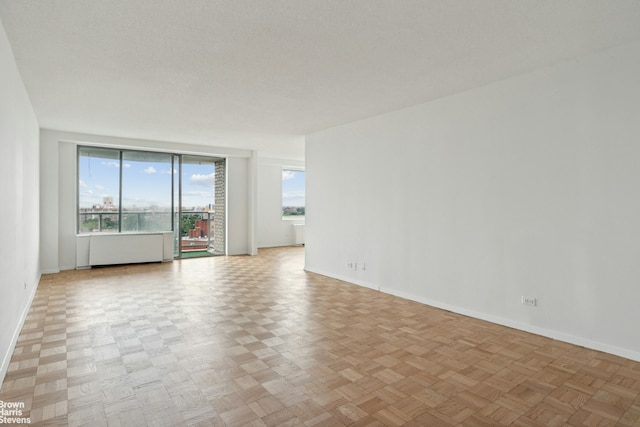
{"points": [[132, 221], [195, 227]]}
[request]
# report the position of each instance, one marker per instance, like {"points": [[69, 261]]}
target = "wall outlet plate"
{"points": [[529, 301]]}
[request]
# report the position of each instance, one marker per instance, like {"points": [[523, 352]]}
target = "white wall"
{"points": [[238, 215], [58, 195], [19, 216], [272, 229], [526, 187]]}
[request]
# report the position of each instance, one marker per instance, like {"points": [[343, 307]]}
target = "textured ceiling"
{"points": [[260, 74]]}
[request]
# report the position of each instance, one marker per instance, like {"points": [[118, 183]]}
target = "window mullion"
{"points": [[120, 195]]}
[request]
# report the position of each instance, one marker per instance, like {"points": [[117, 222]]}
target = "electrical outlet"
{"points": [[529, 301]]}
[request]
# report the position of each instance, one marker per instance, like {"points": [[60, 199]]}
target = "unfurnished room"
{"points": [[320, 213]]}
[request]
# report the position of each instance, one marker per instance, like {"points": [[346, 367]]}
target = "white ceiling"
{"points": [[261, 74]]}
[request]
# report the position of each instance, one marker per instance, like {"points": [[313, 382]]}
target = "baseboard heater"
{"points": [[123, 248], [298, 234]]}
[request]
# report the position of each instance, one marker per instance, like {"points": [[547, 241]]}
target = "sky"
{"points": [[145, 184], [292, 188]]}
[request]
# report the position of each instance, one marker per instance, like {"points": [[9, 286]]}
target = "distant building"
{"points": [[199, 236], [107, 204]]}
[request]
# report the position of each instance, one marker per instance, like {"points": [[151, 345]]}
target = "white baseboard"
{"points": [[6, 359], [277, 245]]}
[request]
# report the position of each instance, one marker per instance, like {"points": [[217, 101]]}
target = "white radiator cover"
{"points": [[298, 234], [123, 248]]}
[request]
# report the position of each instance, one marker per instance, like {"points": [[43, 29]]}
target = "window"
{"points": [[98, 190], [146, 191], [292, 193], [142, 191], [128, 191]]}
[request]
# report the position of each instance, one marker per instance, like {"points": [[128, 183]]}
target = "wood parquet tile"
{"points": [[256, 341]]}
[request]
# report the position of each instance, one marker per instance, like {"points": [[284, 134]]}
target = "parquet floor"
{"points": [[231, 341]]}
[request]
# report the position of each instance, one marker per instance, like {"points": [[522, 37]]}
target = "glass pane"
{"points": [[198, 196], [146, 191], [176, 206], [292, 192], [98, 189]]}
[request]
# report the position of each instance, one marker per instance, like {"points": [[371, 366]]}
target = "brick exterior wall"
{"points": [[219, 225]]}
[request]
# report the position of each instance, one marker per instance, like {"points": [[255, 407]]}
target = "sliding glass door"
{"points": [[197, 202]]}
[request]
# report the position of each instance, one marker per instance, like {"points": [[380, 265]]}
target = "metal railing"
{"points": [[137, 221]]}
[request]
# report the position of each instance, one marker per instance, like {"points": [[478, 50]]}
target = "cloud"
{"points": [[293, 198], [203, 194], [150, 170], [169, 172], [295, 194], [287, 174], [116, 164], [99, 187], [83, 184], [206, 180]]}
